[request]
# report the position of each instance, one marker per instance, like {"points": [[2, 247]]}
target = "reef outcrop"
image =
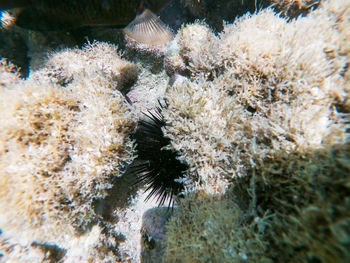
{"points": [[64, 137], [261, 116]]}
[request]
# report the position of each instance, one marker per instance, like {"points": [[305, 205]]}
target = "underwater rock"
{"points": [[64, 66], [61, 144], [257, 99], [212, 229], [298, 205], [270, 118], [260, 112], [153, 234], [191, 53]]}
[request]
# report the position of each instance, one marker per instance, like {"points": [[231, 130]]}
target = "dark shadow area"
{"points": [[53, 253], [119, 196], [14, 48]]}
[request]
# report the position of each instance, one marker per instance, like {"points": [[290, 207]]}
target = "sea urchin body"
{"points": [[159, 168]]}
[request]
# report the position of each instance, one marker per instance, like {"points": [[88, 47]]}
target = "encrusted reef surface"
{"points": [[257, 112], [262, 119], [64, 136]]}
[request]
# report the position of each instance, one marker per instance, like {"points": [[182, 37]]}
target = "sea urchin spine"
{"points": [[160, 167]]}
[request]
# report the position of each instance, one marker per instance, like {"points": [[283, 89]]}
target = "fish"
{"points": [[137, 17]]}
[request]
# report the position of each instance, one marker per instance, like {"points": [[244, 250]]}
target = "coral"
{"points": [[298, 204], [135, 47], [14, 252], [308, 195], [265, 98], [196, 45], [148, 89], [213, 229], [259, 112], [8, 73], [60, 147], [64, 66], [98, 245], [266, 137], [294, 8]]}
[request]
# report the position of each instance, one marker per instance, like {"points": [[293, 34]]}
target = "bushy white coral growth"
{"points": [[60, 146], [8, 73], [271, 123], [64, 66], [275, 86]]}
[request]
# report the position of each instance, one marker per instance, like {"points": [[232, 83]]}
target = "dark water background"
{"points": [[15, 42]]}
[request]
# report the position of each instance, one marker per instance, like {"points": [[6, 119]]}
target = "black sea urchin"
{"points": [[159, 166]]}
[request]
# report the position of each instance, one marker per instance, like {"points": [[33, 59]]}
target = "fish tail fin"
{"points": [[6, 19], [147, 28]]}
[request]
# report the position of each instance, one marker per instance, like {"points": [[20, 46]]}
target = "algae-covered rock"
{"points": [[60, 147], [265, 134], [65, 66], [213, 229], [270, 91], [259, 114], [297, 204], [8, 73]]}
